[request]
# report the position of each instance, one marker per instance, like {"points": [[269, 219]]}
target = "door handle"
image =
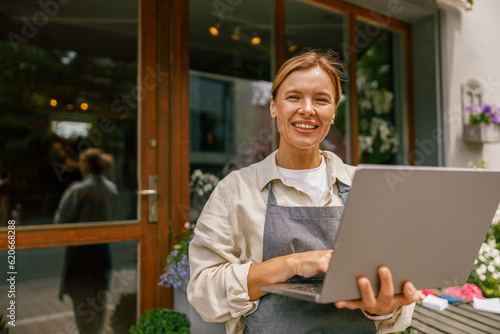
{"points": [[148, 192], [152, 194]]}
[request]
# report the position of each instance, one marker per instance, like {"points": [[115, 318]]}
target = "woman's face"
{"points": [[305, 109]]}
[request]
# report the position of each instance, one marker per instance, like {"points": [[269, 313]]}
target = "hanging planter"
{"points": [[483, 124], [481, 133]]}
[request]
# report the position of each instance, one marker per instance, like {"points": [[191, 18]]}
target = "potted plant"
{"points": [[483, 124], [176, 273], [160, 320], [124, 314]]}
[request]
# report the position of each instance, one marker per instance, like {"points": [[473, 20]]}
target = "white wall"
{"points": [[470, 48]]}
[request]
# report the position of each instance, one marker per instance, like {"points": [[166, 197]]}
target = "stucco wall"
{"points": [[470, 48]]}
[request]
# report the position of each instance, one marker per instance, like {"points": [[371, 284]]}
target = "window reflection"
{"points": [[230, 72], [40, 306], [379, 140], [94, 198], [68, 87]]}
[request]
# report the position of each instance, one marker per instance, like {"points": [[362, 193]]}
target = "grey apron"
{"points": [[299, 229]]}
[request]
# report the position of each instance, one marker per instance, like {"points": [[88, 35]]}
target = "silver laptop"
{"points": [[426, 224]]}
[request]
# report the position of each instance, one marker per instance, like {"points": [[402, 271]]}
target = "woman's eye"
{"points": [[293, 97], [323, 100]]}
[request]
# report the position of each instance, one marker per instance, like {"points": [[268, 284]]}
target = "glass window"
{"points": [[311, 26], [380, 94], [230, 73], [57, 290], [68, 82]]}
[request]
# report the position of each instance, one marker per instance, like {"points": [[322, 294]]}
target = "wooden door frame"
{"points": [[163, 141], [173, 126]]}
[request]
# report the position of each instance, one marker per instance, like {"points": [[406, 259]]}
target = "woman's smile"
{"points": [[304, 107], [305, 126]]}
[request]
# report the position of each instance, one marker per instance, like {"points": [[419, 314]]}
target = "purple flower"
{"points": [[486, 108], [484, 113], [495, 118]]}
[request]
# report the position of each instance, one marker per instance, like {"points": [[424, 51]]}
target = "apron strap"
{"points": [[271, 200], [343, 191]]}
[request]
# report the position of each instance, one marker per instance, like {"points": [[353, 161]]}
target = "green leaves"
{"points": [[161, 321]]}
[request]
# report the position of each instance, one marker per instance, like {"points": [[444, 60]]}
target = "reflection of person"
{"points": [[277, 219], [86, 270]]}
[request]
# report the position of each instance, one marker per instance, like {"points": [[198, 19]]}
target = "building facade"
{"points": [[169, 87]]}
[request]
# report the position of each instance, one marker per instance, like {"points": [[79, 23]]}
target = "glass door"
{"points": [[83, 234]]}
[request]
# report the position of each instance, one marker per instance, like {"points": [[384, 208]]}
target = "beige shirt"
{"points": [[229, 238]]}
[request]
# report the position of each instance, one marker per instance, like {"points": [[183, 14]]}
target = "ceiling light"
{"points": [[291, 46], [235, 36], [214, 30], [255, 40]]}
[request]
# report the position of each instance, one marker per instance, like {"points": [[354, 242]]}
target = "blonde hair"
{"points": [[97, 161], [326, 60]]}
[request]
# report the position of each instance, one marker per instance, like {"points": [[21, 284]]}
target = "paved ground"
{"points": [[38, 308], [39, 311]]}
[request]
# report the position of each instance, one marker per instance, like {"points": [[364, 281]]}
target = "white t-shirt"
{"points": [[313, 182]]}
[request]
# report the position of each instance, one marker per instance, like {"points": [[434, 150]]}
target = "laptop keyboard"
{"points": [[315, 288]]}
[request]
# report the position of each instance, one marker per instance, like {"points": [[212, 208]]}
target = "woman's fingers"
{"points": [[368, 298], [308, 264], [410, 294], [386, 294], [386, 301]]}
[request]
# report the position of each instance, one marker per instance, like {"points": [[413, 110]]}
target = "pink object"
{"points": [[468, 291], [187, 226], [427, 292]]}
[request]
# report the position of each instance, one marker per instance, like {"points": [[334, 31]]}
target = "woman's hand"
{"points": [[312, 263], [281, 268], [386, 301]]}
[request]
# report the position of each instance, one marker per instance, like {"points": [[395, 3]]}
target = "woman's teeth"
{"points": [[304, 126]]}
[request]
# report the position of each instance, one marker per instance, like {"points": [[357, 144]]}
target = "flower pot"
{"points": [[197, 326], [482, 133]]}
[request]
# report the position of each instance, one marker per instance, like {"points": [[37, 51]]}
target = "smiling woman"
{"points": [[304, 99], [242, 242]]}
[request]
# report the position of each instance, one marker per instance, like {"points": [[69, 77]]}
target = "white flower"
{"points": [[382, 101], [207, 187], [482, 258], [481, 270], [365, 104], [491, 268], [363, 124], [365, 144], [386, 146], [376, 123], [496, 275], [384, 131], [482, 278], [496, 261], [475, 262], [484, 246]]}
